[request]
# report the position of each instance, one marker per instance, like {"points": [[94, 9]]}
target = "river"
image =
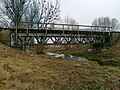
{"points": [[67, 57]]}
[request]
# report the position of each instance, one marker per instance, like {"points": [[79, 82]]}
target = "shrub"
{"points": [[39, 49]]}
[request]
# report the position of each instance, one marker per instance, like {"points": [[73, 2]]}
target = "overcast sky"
{"points": [[85, 11]]}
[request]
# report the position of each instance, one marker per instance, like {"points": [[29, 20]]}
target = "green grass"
{"points": [[78, 53], [101, 58]]}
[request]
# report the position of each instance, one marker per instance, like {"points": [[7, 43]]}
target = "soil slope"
{"points": [[24, 71]]}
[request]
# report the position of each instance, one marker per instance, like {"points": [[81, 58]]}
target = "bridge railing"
{"points": [[64, 27], [70, 27]]}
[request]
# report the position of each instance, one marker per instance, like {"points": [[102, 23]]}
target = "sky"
{"points": [[85, 11]]}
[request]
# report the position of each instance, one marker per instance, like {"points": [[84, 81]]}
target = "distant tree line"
{"points": [[106, 21]]}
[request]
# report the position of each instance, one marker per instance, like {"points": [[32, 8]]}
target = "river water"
{"points": [[67, 57]]}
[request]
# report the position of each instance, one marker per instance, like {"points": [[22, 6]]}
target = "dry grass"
{"points": [[23, 71]]}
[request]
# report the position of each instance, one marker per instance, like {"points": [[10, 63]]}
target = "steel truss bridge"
{"points": [[60, 34]]}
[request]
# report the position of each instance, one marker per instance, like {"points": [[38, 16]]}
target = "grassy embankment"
{"points": [[25, 71]]}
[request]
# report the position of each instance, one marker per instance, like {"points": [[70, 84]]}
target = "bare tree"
{"points": [[39, 11], [42, 11], [70, 20], [106, 21], [13, 11]]}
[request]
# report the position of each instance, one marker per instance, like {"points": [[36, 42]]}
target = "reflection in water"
{"points": [[67, 57]]}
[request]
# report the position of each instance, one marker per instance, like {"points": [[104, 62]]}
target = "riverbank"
{"points": [[101, 58], [21, 71], [109, 56]]}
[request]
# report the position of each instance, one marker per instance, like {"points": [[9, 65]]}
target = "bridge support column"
{"points": [[97, 47], [109, 40]]}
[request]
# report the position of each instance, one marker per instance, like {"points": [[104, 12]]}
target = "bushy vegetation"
{"points": [[39, 49]]}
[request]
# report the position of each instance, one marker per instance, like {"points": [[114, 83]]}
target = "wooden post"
{"points": [[10, 38], [16, 34]]}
